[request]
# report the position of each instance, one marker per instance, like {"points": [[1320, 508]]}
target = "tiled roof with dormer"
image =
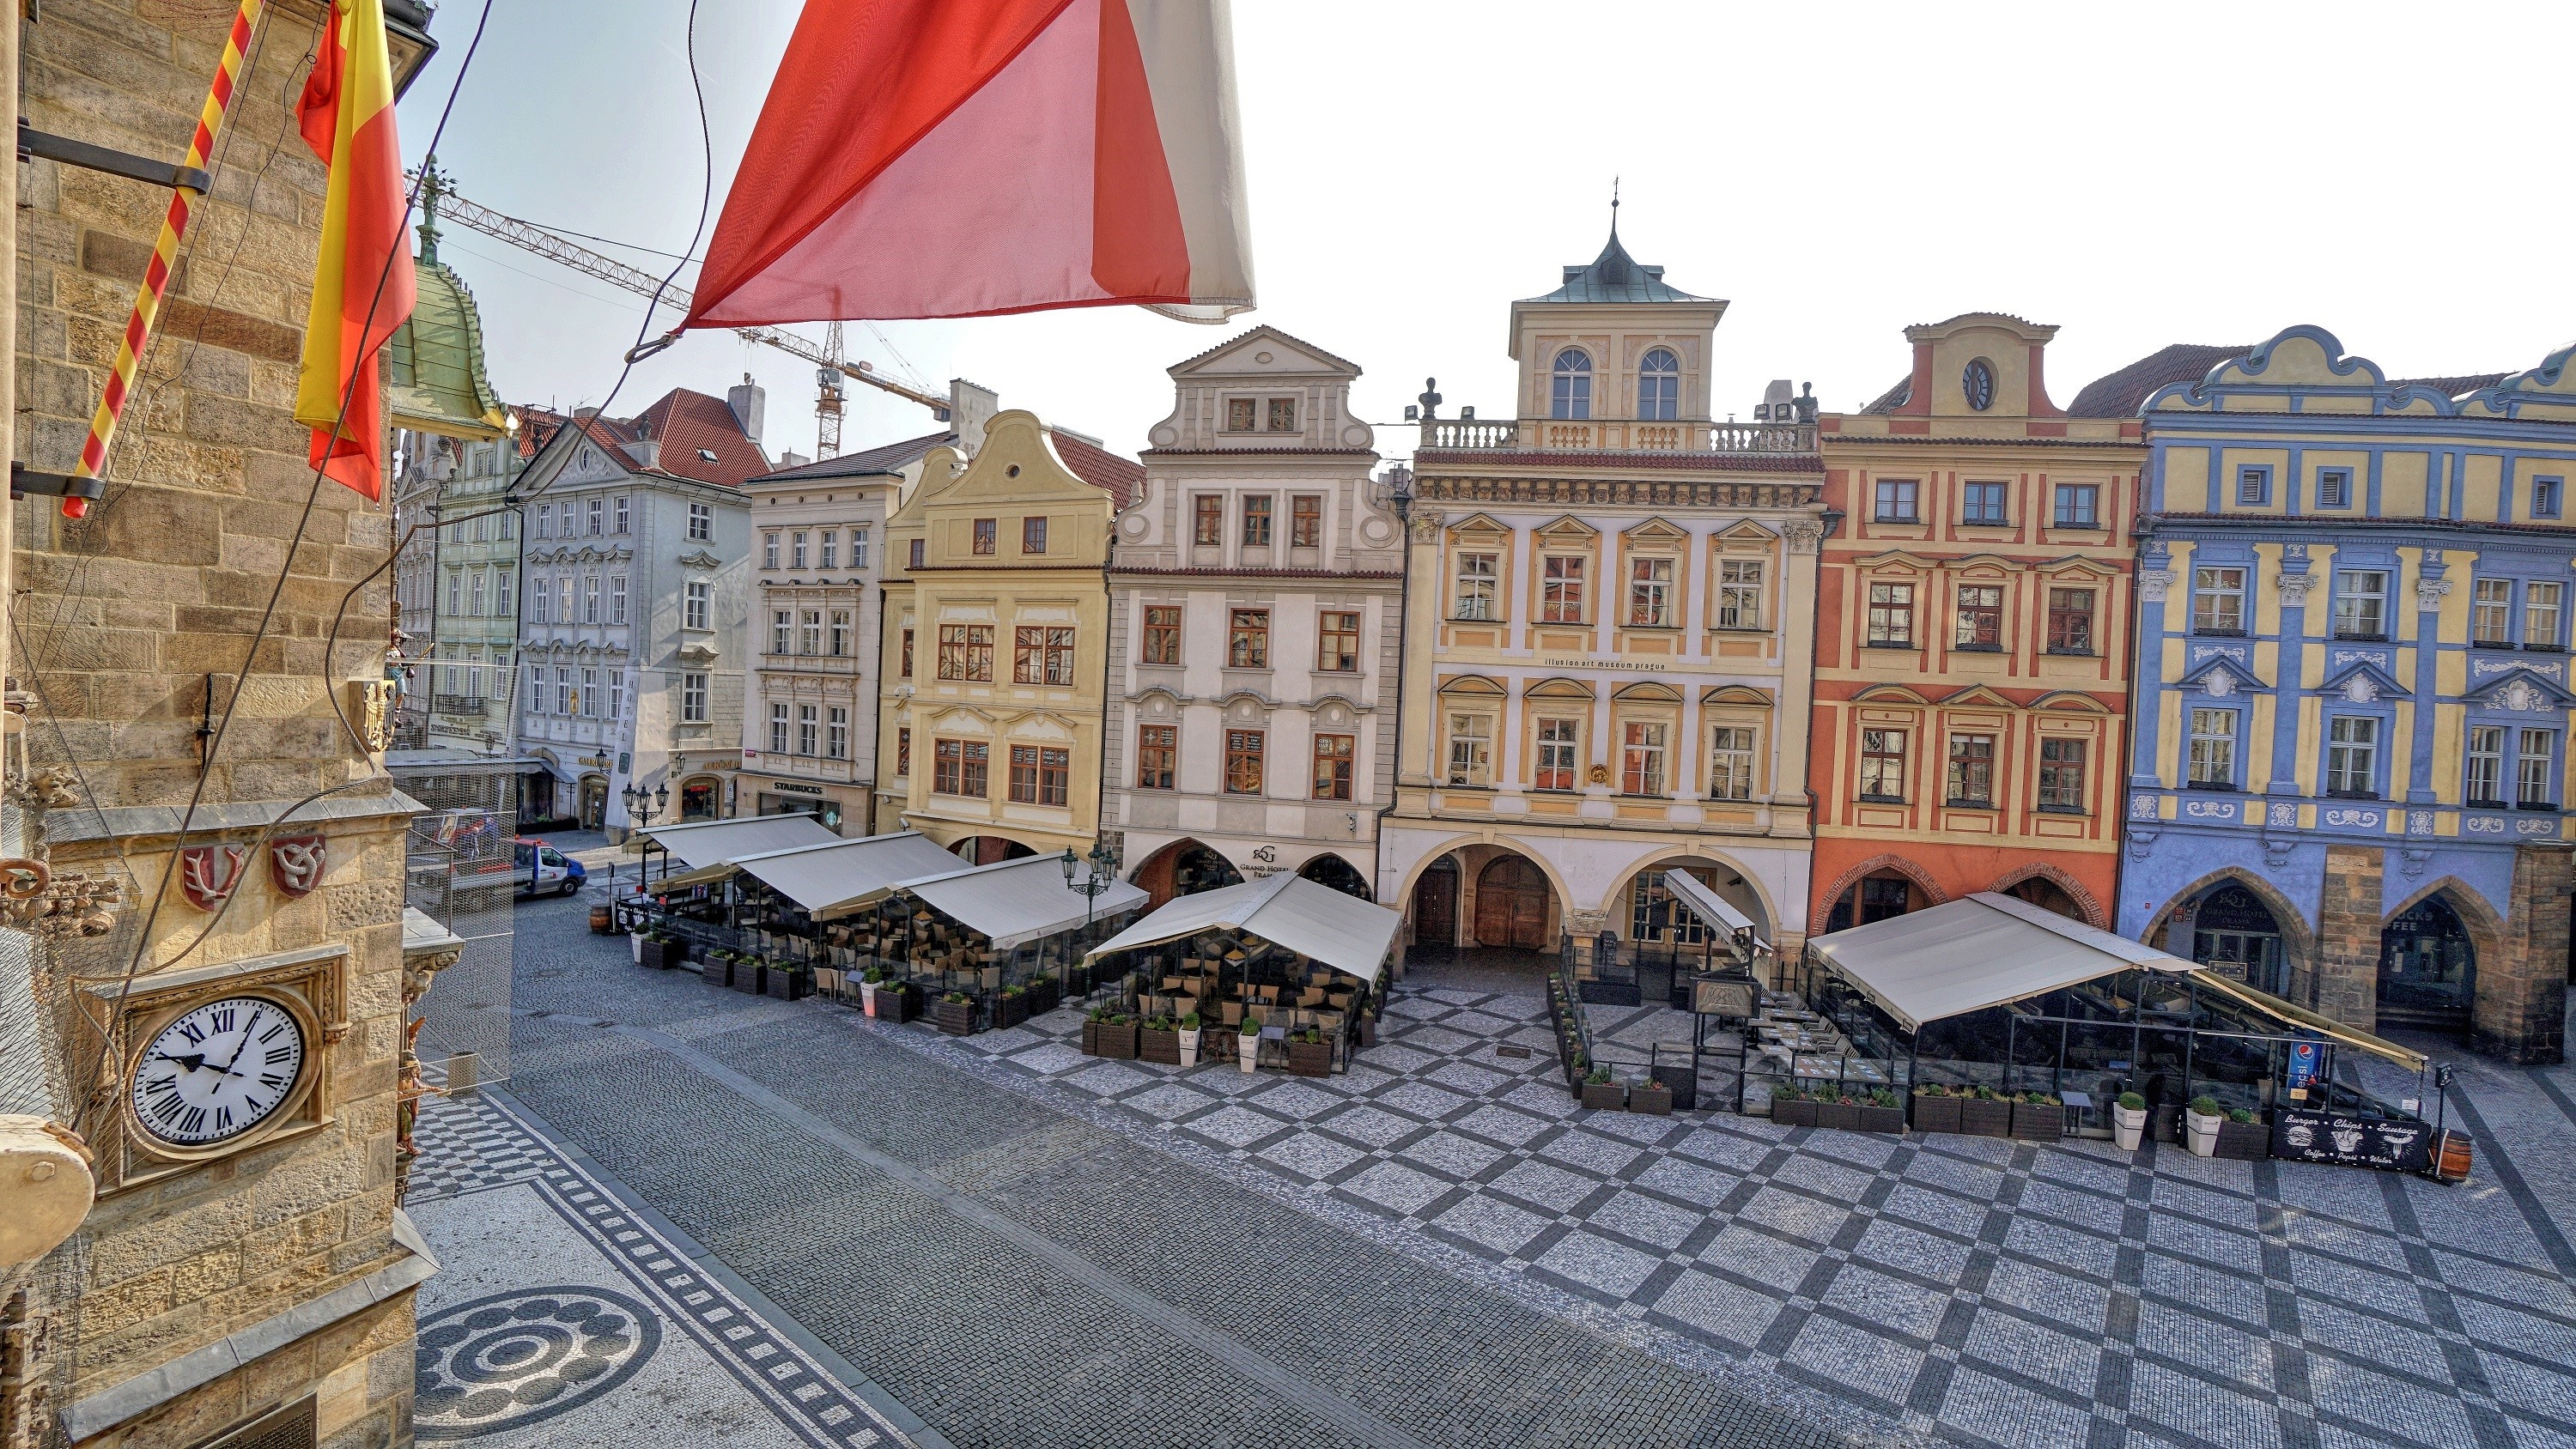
{"points": [[691, 426], [2120, 394], [1614, 276]]}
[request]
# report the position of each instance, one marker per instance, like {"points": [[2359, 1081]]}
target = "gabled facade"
{"points": [[1255, 596], [2351, 775], [1606, 642], [1972, 636], [996, 643]]}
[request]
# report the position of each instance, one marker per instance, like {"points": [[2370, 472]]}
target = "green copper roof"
{"points": [[1615, 277], [434, 378]]}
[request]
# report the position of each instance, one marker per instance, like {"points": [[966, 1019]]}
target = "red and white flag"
{"points": [[960, 158]]}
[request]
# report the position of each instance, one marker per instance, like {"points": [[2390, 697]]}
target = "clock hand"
{"points": [[192, 1063], [244, 1044]]}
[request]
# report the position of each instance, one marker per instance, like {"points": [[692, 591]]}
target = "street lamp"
{"points": [[1104, 865], [641, 805]]}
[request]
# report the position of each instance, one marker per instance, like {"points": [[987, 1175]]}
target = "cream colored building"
{"points": [[1256, 594], [995, 643], [1607, 658]]}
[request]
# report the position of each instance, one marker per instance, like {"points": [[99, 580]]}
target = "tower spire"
{"points": [[1614, 206]]}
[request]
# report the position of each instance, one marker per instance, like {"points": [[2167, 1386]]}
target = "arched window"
{"points": [[1659, 386], [1572, 395]]}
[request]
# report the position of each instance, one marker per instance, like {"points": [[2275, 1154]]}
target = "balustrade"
{"points": [[1616, 435]]}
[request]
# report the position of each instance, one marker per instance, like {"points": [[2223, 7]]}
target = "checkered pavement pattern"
{"points": [[1959, 1290]]}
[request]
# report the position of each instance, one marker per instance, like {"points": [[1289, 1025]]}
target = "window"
{"points": [[505, 598], [782, 631], [1980, 623], [1882, 765], [695, 605], [1283, 415], [1256, 520], [2079, 505], [1041, 655], [1247, 643], [1337, 641], [2352, 755], [796, 549], [2485, 781], [1157, 753], [2070, 621], [596, 515], [2213, 749], [1650, 593], [957, 767], [1982, 503], [1891, 616], [858, 548], [702, 521], [507, 529], [475, 595], [2491, 613], [1207, 514], [827, 548], [1471, 750], [2061, 775], [1730, 763], [1561, 589], [693, 699], [1039, 775], [590, 600], [1659, 386], [778, 727], [1162, 643], [537, 694], [1243, 762], [966, 652], [2532, 770], [2540, 611], [567, 694], [840, 633], [1895, 501], [590, 691], [482, 528], [1242, 414], [1556, 741], [541, 606], [836, 734], [903, 750], [2218, 601], [1641, 758], [809, 635], [912, 555], [1475, 599], [617, 598], [455, 593], [1972, 770], [2253, 487], [1306, 520], [545, 520], [986, 531], [616, 693], [1570, 387], [1739, 593], [2361, 604], [621, 512], [2544, 497], [2334, 488], [906, 671], [1033, 534], [1333, 761]]}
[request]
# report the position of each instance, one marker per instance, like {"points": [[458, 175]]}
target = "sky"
{"points": [[2134, 175]]}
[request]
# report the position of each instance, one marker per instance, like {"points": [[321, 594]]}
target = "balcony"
{"points": [[469, 705], [1616, 435]]}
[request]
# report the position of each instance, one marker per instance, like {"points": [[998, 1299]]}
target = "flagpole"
{"points": [[165, 253]]}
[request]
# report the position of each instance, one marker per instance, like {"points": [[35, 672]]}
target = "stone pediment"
{"points": [[1243, 357], [2363, 682], [2220, 675], [701, 558], [2523, 691]]}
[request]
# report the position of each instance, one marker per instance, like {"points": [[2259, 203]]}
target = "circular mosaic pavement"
{"points": [[518, 1357]]}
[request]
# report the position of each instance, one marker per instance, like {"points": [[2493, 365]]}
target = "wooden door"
{"points": [[1435, 905], [1511, 904]]}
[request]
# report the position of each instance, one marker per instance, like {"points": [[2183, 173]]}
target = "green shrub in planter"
{"points": [[1935, 1109], [2243, 1137], [954, 1014], [1986, 1114], [1159, 1040], [1603, 1094], [2038, 1117], [2133, 1101], [1791, 1107], [1011, 1007], [1837, 1111]]}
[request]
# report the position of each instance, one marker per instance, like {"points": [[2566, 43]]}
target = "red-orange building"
{"points": [[1972, 623]]}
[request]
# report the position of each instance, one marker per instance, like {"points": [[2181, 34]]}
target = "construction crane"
{"points": [[830, 365]]}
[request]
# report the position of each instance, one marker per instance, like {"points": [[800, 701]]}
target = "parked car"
{"points": [[543, 870]]}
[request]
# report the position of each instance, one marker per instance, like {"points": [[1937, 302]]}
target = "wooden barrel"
{"points": [[602, 919], [2452, 1165]]}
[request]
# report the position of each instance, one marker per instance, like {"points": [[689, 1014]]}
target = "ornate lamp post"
{"points": [[1104, 866]]}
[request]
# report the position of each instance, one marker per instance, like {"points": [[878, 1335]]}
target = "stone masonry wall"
{"points": [[2521, 1013], [2348, 936]]}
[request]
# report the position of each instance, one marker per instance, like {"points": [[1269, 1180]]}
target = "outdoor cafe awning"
{"points": [[1316, 921], [1014, 902], [1707, 904], [712, 842], [819, 877]]}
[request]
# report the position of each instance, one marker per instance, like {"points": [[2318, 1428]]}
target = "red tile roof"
{"points": [[2120, 394], [1119, 477], [692, 425]]}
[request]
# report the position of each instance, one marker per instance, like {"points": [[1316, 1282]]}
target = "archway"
{"points": [[989, 849], [2428, 968], [1435, 904], [1513, 904], [1329, 869], [594, 802], [701, 798], [1877, 888], [2046, 894], [2235, 934], [1182, 868], [1643, 911]]}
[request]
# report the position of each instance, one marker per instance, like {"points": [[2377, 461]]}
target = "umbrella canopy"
{"points": [[1014, 902], [1315, 921], [711, 842]]}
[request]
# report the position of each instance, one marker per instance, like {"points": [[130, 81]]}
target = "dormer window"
{"points": [[709, 454], [1659, 386], [1570, 393]]}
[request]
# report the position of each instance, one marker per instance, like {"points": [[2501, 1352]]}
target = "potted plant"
{"points": [[1652, 1098], [1118, 1036], [786, 982], [954, 1014], [1884, 1111], [898, 1001], [1791, 1107], [1310, 1054], [2200, 1125], [868, 989], [1190, 1040], [2129, 1120], [1248, 1044], [1984, 1113], [717, 968], [1091, 1023], [635, 939], [1159, 1040], [1935, 1109], [1011, 1007], [1603, 1094], [1044, 996], [2038, 1117], [1837, 1110], [2243, 1137], [747, 973]]}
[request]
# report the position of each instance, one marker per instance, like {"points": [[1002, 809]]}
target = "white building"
{"points": [[1256, 598]]}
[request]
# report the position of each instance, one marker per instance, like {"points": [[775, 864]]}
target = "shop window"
{"points": [[1157, 756], [1333, 765], [1162, 638]]}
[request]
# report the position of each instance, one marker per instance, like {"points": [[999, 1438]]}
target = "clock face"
{"points": [[218, 1071], [1978, 382]]}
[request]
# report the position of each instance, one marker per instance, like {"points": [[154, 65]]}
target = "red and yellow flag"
{"points": [[347, 114]]}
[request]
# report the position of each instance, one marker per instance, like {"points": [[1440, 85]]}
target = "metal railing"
{"points": [[1616, 435]]}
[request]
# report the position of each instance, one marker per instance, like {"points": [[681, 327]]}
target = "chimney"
{"points": [[747, 402], [792, 459], [970, 407]]}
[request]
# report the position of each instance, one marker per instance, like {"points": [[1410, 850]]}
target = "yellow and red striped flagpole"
{"points": [[165, 253]]}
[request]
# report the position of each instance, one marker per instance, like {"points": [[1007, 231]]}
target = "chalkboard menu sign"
{"points": [[2400, 1145], [1722, 996]]}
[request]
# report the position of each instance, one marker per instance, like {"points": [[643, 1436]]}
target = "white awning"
{"points": [[1014, 902], [819, 877], [710, 842], [1708, 905], [1980, 951], [1315, 921]]}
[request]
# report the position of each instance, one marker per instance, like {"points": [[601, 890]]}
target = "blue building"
{"points": [[2350, 776]]}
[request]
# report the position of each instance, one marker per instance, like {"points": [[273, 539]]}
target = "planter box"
{"points": [[1793, 1113], [1090, 1037], [1605, 1096], [1118, 1041], [746, 976], [1681, 1080], [1310, 1058], [1044, 996], [2201, 1133], [1368, 1031], [2034, 1122], [1878, 1119], [898, 1002], [1935, 1114], [1654, 1099], [953, 1018], [1839, 1116], [1158, 1046], [1981, 1118], [715, 972], [1010, 1008], [786, 985], [2244, 1141]]}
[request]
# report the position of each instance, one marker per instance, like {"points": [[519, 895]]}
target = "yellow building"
{"points": [[995, 648]]}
